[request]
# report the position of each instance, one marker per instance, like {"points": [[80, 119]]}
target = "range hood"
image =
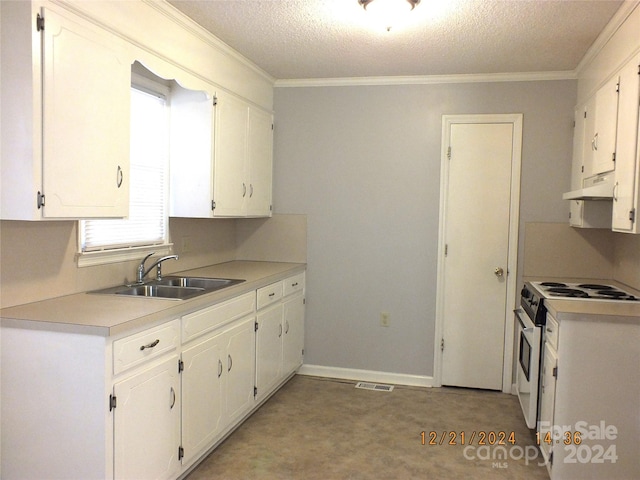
{"points": [[598, 187]]}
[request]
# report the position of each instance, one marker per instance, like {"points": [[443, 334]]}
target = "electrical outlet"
{"points": [[185, 246], [384, 319]]}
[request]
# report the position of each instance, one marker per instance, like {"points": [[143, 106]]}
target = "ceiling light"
{"points": [[388, 12]]}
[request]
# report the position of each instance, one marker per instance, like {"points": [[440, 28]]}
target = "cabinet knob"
{"points": [[498, 272]]}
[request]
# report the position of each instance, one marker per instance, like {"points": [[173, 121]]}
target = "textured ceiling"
{"points": [[304, 39]]}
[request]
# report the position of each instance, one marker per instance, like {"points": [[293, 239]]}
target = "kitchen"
{"points": [[330, 204]]}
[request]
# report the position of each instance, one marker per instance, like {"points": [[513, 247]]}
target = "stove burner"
{"points": [[612, 293], [568, 292], [595, 286], [553, 284]]}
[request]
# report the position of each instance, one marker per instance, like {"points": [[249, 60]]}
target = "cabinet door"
{"points": [[202, 395], [86, 96], [269, 349], [625, 194], [147, 423], [240, 369], [230, 188], [547, 400], [606, 121], [192, 133], [260, 161], [293, 343]]}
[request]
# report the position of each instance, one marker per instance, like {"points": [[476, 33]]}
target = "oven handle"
{"points": [[525, 322]]}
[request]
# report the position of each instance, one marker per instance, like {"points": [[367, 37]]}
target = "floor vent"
{"points": [[374, 386]]}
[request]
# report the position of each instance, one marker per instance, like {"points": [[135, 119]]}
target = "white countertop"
{"points": [[112, 315]]}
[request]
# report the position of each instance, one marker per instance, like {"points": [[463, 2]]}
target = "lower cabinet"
{"points": [[217, 385], [280, 333], [148, 405], [147, 423]]}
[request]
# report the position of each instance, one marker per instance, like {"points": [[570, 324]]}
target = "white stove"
{"points": [[584, 291]]}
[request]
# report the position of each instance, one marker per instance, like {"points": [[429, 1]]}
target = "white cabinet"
{"points": [[76, 404], [545, 433], [217, 385], [585, 214], [626, 193], [601, 130], [65, 115], [280, 334], [221, 156], [147, 423], [145, 404], [589, 402], [218, 362]]}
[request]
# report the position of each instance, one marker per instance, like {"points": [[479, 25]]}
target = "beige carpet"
{"points": [[327, 429]]}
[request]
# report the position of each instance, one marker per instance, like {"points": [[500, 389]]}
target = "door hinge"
{"points": [[555, 372], [632, 215], [40, 200], [449, 153], [39, 23], [551, 458], [618, 87], [303, 352], [272, 126], [213, 205], [255, 391], [112, 402], [582, 169], [180, 452], [304, 301], [613, 157], [215, 100], [442, 345], [446, 249], [180, 366], [255, 327]]}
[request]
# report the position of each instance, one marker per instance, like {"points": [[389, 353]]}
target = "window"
{"points": [[146, 228]]}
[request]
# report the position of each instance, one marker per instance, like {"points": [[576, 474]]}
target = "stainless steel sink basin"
{"points": [[172, 287], [161, 291], [198, 282]]}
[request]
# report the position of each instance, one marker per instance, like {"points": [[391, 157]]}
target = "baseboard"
{"points": [[366, 375]]}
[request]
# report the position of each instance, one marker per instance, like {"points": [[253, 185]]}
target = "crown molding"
{"points": [[427, 79], [609, 30]]}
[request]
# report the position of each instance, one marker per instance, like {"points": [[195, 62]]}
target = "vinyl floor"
{"points": [[325, 429]]}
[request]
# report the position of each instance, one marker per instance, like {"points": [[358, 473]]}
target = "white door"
{"points": [[476, 234]]}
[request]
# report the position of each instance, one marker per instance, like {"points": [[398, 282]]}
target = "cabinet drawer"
{"points": [[551, 330], [269, 294], [294, 284], [210, 318], [135, 349]]}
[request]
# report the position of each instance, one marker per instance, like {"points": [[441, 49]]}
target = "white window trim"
{"points": [[134, 252]]}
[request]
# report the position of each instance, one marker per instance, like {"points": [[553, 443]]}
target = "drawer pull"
{"points": [[287, 329], [272, 294], [294, 284], [229, 363], [173, 398], [280, 332], [151, 345], [219, 368]]}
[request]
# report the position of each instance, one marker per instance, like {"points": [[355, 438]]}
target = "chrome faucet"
{"points": [[158, 264]]}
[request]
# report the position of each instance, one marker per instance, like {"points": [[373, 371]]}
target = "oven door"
{"points": [[527, 378]]}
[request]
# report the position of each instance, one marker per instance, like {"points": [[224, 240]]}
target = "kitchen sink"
{"points": [[171, 287], [197, 282]]}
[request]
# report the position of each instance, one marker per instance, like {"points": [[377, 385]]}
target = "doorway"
{"points": [[479, 206]]}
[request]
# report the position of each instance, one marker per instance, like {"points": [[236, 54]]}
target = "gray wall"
{"points": [[363, 163]]}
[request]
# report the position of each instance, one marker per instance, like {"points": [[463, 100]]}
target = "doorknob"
{"points": [[499, 272]]}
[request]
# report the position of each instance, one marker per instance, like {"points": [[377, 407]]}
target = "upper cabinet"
{"points": [[221, 156], [626, 195], [601, 130], [65, 115]]}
